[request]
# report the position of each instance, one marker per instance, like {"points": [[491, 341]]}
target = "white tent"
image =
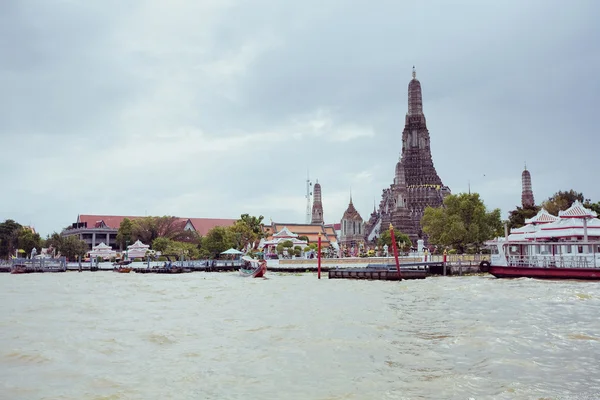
{"points": [[232, 251]]}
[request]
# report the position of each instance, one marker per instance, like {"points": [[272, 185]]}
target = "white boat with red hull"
{"points": [[550, 247]]}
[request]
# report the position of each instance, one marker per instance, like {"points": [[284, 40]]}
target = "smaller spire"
{"points": [[350, 195], [525, 165], [414, 73]]}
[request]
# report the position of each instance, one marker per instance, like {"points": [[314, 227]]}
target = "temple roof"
{"points": [[351, 213], [285, 233], [542, 217], [311, 231], [577, 210]]}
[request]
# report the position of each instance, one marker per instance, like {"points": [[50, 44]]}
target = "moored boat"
{"points": [[18, 269], [123, 270], [550, 247], [253, 268]]}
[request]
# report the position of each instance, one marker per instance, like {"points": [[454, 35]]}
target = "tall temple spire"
{"points": [[416, 184], [317, 208], [415, 98], [527, 193]]}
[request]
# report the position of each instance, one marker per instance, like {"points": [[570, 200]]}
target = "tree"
{"points": [[560, 201], [217, 240], [73, 247], [517, 217], [147, 229], [249, 230], [593, 206], [69, 246], [125, 233], [402, 240], [9, 231], [462, 221], [27, 240], [161, 244], [169, 246], [243, 235], [255, 224]]}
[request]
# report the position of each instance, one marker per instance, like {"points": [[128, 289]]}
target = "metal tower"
{"points": [[308, 194]]}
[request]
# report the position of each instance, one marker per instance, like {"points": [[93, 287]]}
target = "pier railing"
{"points": [[556, 261], [42, 264]]}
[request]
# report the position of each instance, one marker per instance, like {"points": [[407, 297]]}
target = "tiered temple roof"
{"points": [[311, 231]]}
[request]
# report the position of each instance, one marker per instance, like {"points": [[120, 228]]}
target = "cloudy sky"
{"points": [[214, 108]]}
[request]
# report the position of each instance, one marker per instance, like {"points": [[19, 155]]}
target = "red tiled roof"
{"points": [[201, 225], [111, 221]]}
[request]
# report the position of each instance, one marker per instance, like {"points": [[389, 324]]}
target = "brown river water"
{"points": [[102, 335]]}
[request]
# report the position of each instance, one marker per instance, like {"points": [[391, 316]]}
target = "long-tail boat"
{"points": [[252, 268]]}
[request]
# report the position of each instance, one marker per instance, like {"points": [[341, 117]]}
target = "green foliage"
{"points": [[161, 244], [562, 200], [217, 240], [311, 246], [27, 240], [593, 206], [305, 238], [72, 247], [288, 243], [254, 223], [243, 235], [125, 233], [9, 232], [279, 248], [462, 221], [517, 217], [147, 229], [402, 240]]}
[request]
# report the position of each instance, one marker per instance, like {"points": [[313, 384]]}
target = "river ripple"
{"points": [[219, 336]]}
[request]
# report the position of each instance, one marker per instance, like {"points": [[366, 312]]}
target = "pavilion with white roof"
{"points": [[270, 246], [102, 250], [137, 250]]}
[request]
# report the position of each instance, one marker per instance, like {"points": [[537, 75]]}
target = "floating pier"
{"points": [[37, 265], [381, 272], [162, 270]]}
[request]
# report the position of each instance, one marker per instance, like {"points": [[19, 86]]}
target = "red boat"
{"points": [[545, 273], [253, 268], [18, 269], [550, 247]]}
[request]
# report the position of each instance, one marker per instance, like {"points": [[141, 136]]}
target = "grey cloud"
{"points": [[503, 83]]}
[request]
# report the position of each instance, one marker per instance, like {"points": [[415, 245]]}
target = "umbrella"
{"points": [[232, 251]]}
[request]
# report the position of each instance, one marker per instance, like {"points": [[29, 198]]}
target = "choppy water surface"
{"points": [[219, 336]]}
